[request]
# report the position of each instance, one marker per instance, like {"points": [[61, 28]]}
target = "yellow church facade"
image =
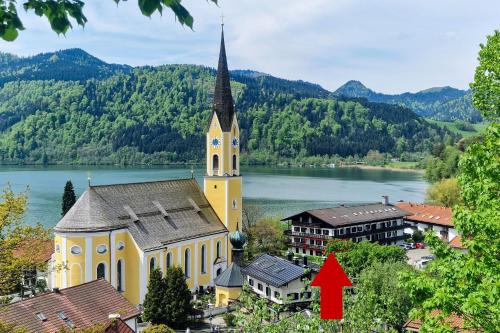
{"points": [[121, 232]]}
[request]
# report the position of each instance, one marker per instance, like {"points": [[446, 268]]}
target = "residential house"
{"points": [[279, 280], [81, 306], [425, 217]]}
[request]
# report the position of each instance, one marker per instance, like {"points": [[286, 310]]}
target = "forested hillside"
{"points": [[159, 114], [441, 103]]}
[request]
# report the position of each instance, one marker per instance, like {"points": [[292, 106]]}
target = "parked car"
{"points": [[410, 245], [405, 246], [424, 261], [420, 245]]}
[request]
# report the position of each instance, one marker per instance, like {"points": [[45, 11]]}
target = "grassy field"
{"points": [[478, 128]]}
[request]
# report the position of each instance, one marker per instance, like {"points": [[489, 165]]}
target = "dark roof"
{"points": [[274, 270], [223, 100], [354, 214], [83, 305], [141, 207], [231, 277], [427, 213]]}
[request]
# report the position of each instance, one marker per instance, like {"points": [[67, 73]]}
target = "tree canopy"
{"points": [[467, 284], [60, 13]]}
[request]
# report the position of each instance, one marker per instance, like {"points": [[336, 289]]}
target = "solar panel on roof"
{"points": [[62, 315]]}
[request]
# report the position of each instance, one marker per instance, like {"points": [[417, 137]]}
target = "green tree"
{"points": [[68, 198], [379, 299], [11, 328], [364, 254], [467, 284], [60, 12], [154, 301], [444, 193], [266, 236], [486, 85], [177, 299], [15, 235]]}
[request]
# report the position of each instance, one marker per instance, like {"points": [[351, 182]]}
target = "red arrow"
{"points": [[331, 279]]}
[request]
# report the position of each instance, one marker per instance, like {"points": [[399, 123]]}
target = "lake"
{"points": [[279, 191]]}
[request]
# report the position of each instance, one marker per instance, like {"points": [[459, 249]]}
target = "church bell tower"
{"points": [[222, 181]]}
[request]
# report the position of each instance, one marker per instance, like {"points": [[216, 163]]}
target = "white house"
{"points": [[279, 280]]}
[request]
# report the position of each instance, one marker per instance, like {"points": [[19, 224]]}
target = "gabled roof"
{"points": [[427, 213], [223, 104], [274, 270], [141, 208], [82, 306], [354, 214], [231, 277]]}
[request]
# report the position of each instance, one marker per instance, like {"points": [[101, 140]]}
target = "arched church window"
{"points": [[218, 249], [235, 165], [169, 259], [152, 264], [119, 275], [215, 163], [187, 254], [101, 271], [203, 259]]}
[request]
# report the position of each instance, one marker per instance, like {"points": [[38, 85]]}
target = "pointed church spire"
{"points": [[223, 99]]}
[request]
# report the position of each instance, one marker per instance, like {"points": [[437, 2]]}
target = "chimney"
{"points": [[386, 199], [304, 260], [289, 256], [56, 290], [296, 261]]}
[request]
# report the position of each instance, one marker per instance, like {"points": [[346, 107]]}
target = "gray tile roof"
{"points": [[231, 277], [354, 214], [273, 270], [110, 207]]}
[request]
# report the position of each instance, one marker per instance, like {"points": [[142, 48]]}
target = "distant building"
{"points": [[456, 243], [311, 230], [279, 280], [121, 232], [429, 217], [82, 306]]}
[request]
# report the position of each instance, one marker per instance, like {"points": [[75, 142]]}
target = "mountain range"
{"points": [[70, 107], [439, 103]]}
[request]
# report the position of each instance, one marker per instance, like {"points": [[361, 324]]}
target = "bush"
{"points": [[229, 319], [158, 329]]}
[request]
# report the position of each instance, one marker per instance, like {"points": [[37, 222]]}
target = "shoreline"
{"points": [[378, 167]]}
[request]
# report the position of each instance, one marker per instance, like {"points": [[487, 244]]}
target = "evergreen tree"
{"points": [[154, 302], [177, 299], [69, 198]]}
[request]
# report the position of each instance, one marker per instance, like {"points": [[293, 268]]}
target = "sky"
{"points": [[392, 46]]}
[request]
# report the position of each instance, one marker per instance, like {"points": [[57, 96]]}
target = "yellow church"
{"points": [[121, 232]]}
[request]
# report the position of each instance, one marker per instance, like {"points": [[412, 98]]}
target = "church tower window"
{"points": [[235, 164], [215, 163]]}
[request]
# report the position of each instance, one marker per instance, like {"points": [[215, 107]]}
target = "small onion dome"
{"points": [[237, 239]]}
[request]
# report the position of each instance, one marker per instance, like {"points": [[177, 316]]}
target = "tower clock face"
{"points": [[235, 142], [215, 142]]}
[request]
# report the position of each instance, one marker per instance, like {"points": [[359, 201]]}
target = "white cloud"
{"points": [[390, 45]]}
